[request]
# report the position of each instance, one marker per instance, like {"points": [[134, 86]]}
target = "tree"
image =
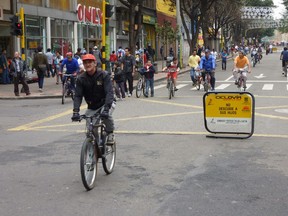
{"points": [[166, 33], [131, 5]]}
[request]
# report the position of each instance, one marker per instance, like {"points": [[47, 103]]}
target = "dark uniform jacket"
{"points": [[97, 90]]}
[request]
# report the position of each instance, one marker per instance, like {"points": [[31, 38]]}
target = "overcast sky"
{"points": [[279, 8]]}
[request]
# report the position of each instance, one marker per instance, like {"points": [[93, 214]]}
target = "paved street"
{"points": [[165, 163]]}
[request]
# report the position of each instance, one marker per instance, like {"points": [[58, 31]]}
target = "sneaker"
{"points": [[175, 89], [236, 82], [28, 93], [110, 139], [17, 94], [40, 90], [244, 86], [129, 95]]}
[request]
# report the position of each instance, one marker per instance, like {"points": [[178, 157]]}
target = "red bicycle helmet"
{"points": [[69, 54], [88, 57]]}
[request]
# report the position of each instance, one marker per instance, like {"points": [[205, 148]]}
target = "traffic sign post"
{"points": [[229, 114]]}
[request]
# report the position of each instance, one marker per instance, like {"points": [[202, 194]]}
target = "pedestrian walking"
{"points": [[4, 68], [17, 69], [149, 78], [193, 62], [128, 66], [50, 58], [40, 64], [119, 81], [224, 56], [98, 56], [57, 65]]}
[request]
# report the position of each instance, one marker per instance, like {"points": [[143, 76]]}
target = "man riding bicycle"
{"points": [[207, 64], [96, 87], [173, 68], [254, 53], [72, 67], [240, 62]]}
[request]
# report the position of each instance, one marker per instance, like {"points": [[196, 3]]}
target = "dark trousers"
{"points": [[224, 64], [129, 78], [120, 89], [40, 80], [20, 79]]}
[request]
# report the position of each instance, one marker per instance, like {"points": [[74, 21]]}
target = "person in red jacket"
{"points": [[113, 59]]}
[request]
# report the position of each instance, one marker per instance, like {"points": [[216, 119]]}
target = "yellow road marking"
{"points": [[171, 103], [50, 118]]}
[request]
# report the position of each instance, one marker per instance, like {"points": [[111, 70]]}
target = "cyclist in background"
{"points": [[254, 52], [240, 62], [173, 68], [207, 63], [72, 67]]}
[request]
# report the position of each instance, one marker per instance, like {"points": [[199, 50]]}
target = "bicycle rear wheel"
{"points": [[139, 89], [198, 84], [109, 157], [88, 164]]}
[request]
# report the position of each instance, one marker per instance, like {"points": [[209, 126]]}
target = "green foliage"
{"points": [[166, 32]]}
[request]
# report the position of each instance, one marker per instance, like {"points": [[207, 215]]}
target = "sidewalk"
{"points": [[51, 90]]}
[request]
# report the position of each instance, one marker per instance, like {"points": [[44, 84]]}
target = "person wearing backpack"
{"points": [[40, 64], [97, 54]]}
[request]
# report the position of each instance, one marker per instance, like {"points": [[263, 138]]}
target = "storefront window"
{"points": [[35, 35], [61, 35], [89, 36]]}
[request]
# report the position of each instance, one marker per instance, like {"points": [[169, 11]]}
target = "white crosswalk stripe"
{"points": [[268, 87], [181, 86], [159, 86], [225, 86], [222, 86]]}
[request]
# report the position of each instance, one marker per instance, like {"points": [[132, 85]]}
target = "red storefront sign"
{"points": [[89, 14]]}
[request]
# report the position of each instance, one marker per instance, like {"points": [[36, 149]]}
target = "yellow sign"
{"points": [[228, 105], [33, 44]]}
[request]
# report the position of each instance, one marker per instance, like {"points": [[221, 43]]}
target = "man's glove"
{"points": [[75, 116], [105, 113]]}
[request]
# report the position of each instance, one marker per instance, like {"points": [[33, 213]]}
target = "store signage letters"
{"points": [[89, 14]]}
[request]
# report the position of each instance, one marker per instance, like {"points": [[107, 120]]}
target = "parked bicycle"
{"points": [[67, 88], [140, 87], [94, 147]]}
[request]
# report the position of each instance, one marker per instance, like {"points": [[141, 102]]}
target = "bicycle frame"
{"points": [[95, 129], [140, 87], [170, 85], [241, 78]]}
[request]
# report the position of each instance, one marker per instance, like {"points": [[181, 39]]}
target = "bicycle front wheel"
{"points": [[88, 164], [108, 160], [64, 90], [170, 90], [139, 89], [198, 85]]}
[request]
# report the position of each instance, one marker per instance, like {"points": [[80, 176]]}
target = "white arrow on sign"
{"points": [[260, 76]]}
